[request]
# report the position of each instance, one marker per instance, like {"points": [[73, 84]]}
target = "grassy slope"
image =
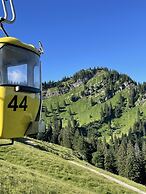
{"points": [[25, 169], [85, 113]]}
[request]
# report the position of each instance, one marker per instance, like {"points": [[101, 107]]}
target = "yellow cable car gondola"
{"points": [[20, 85]]}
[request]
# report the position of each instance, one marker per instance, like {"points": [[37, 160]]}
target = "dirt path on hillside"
{"points": [[132, 188], [110, 178]]}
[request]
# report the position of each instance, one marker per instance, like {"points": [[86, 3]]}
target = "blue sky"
{"points": [[79, 34]]}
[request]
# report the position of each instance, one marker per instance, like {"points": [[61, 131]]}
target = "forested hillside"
{"points": [[101, 114]]}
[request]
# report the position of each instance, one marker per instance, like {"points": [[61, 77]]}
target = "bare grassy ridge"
{"points": [[46, 169]]}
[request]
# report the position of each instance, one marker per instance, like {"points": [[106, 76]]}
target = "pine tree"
{"points": [[82, 147], [144, 157], [132, 98], [132, 165], [55, 129], [121, 156], [110, 131], [121, 101], [108, 92], [66, 139], [116, 144], [47, 135], [98, 156], [76, 140], [117, 111], [140, 164], [110, 111], [109, 160], [68, 134]]}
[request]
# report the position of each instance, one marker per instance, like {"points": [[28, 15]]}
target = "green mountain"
{"points": [[40, 167], [96, 95], [101, 114]]}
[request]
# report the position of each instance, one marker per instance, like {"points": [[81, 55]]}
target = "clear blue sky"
{"points": [[79, 34]]}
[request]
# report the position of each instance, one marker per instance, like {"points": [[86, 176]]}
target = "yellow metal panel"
{"points": [[14, 124], [16, 42], [2, 97]]}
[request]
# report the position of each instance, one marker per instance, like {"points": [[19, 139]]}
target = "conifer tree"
{"points": [[121, 158], [132, 98], [118, 111], [48, 134], [140, 164], [76, 140], [82, 147], [116, 144], [110, 111], [144, 156], [121, 101], [66, 139], [132, 165], [98, 156], [56, 127], [68, 133], [107, 92], [109, 160]]}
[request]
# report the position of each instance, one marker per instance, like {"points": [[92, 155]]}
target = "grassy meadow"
{"points": [[46, 169]]}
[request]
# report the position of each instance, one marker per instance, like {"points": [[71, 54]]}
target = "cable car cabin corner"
{"points": [[20, 89]]}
